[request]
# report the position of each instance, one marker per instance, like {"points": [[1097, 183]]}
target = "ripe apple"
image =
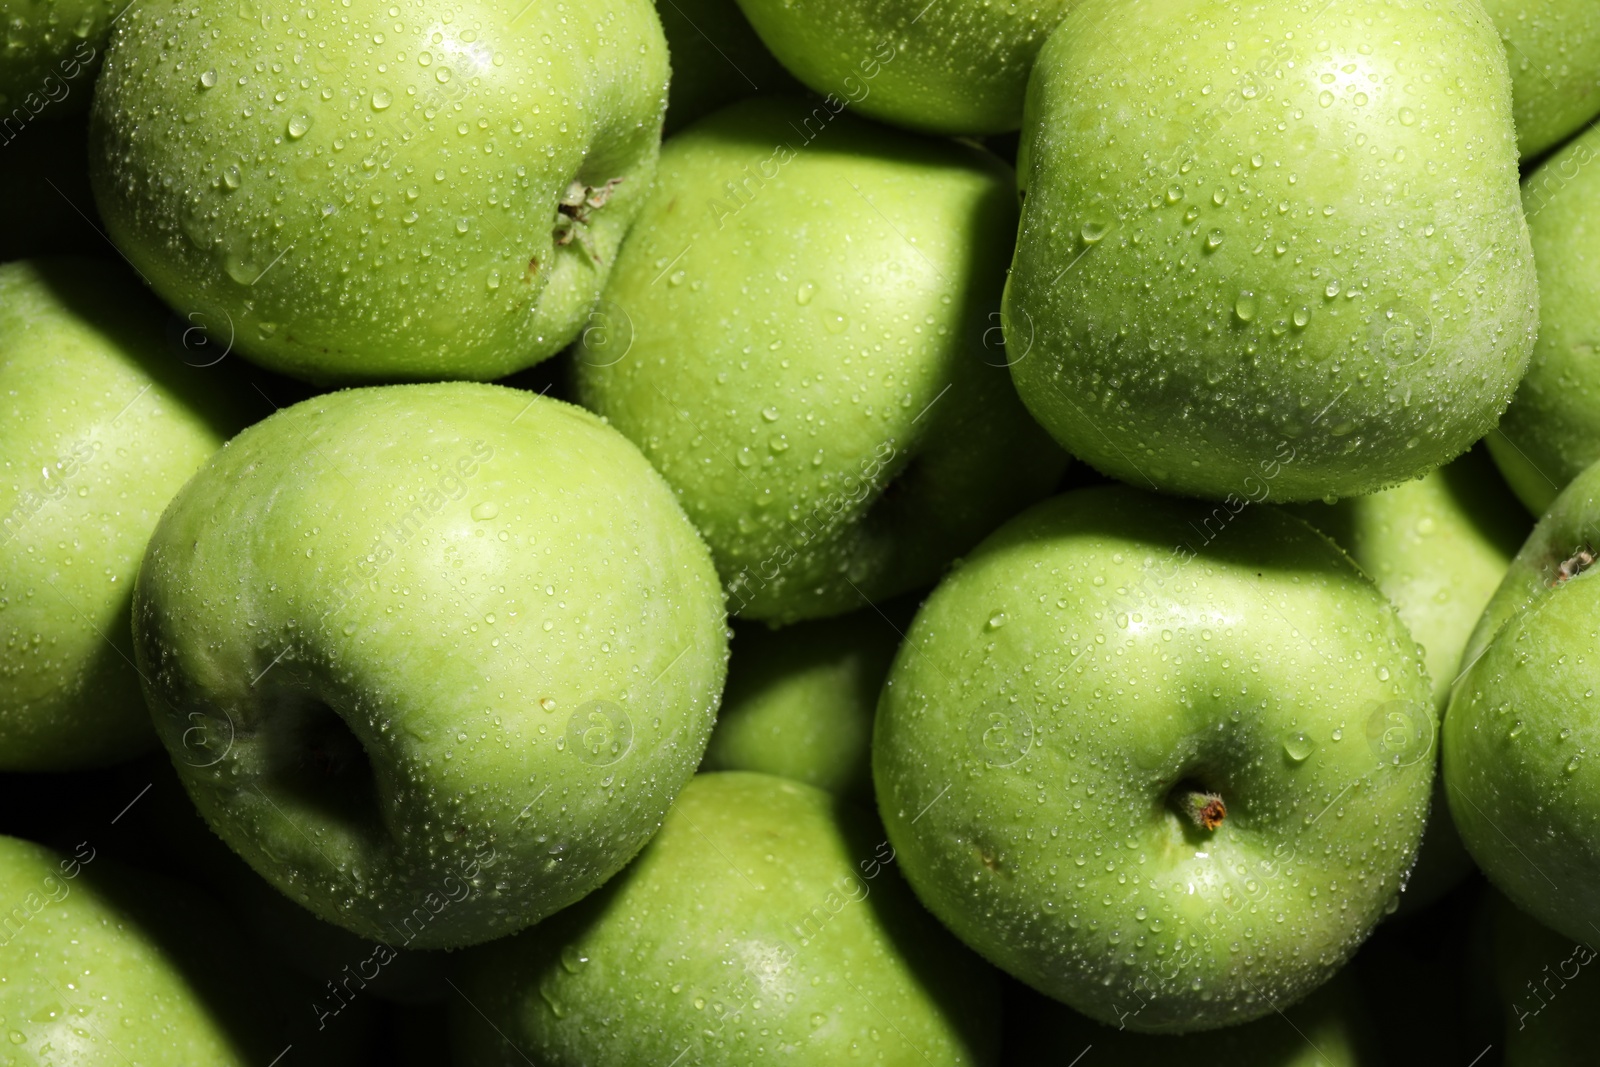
{"points": [[765, 921], [1437, 547], [716, 59], [1270, 229], [1546, 988], [1552, 429], [1130, 736], [1554, 50], [1330, 1028], [960, 66], [796, 341], [799, 700], [433, 659], [101, 424], [1521, 741], [371, 194]]}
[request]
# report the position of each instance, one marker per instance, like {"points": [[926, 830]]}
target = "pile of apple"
{"points": [[483, 584]]}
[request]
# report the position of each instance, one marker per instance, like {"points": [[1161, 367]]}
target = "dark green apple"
{"points": [[1521, 741], [945, 66], [433, 659], [1267, 231], [1552, 429], [1554, 50], [800, 700], [100, 425], [796, 342], [370, 193], [1142, 752], [764, 923], [52, 51]]}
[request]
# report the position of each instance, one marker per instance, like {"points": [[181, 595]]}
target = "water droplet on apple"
{"points": [[298, 125], [1093, 232], [997, 620], [208, 79], [486, 510], [1298, 746], [804, 294], [1245, 306]]}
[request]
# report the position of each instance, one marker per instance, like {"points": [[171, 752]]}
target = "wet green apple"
{"points": [[52, 51], [1270, 229], [716, 59], [1164, 762], [434, 659], [1552, 429], [101, 423], [370, 193], [800, 700], [1521, 741], [764, 923], [1437, 547], [796, 340], [1554, 51], [951, 66]]}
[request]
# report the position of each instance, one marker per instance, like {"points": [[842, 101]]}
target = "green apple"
{"points": [[1270, 230], [800, 700], [101, 425], [1437, 547], [52, 51], [1552, 429], [1148, 754], [104, 965], [1554, 50], [1521, 741], [1330, 1028], [796, 341], [764, 923], [1546, 989], [716, 59], [956, 66], [371, 194], [434, 659]]}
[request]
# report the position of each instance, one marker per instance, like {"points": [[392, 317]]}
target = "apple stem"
{"points": [[1204, 809]]}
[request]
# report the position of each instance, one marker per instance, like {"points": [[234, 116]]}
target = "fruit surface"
{"points": [[100, 425], [764, 924], [796, 340], [1270, 232], [433, 659], [365, 193], [1553, 47], [1129, 735]]}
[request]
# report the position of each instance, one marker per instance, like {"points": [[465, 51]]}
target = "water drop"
{"points": [[208, 79], [298, 125], [1245, 306], [1093, 232], [486, 510], [380, 99], [1298, 746]]}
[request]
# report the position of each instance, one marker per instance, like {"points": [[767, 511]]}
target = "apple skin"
{"points": [[1553, 47], [1551, 432], [100, 425], [434, 659], [764, 922], [374, 197], [1330, 1028], [1437, 547], [1545, 987], [800, 700], [830, 281], [955, 67], [716, 59], [1233, 243], [1061, 686], [52, 52], [1523, 731]]}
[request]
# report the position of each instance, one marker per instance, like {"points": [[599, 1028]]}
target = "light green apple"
{"points": [[716, 59], [1546, 988], [434, 659], [101, 423], [765, 923], [1552, 429], [800, 700], [1554, 50], [1130, 735], [1438, 548], [1270, 230], [940, 66], [796, 339], [1330, 1028], [1521, 741], [370, 193], [103, 965], [52, 51]]}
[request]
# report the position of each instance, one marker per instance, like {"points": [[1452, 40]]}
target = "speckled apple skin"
{"points": [[486, 597]]}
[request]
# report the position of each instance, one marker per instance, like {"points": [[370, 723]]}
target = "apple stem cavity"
{"points": [[1203, 808], [1574, 565]]}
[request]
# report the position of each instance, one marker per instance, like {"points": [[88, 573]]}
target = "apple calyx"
{"points": [[574, 208], [1574, 565], [1201, 807]]}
